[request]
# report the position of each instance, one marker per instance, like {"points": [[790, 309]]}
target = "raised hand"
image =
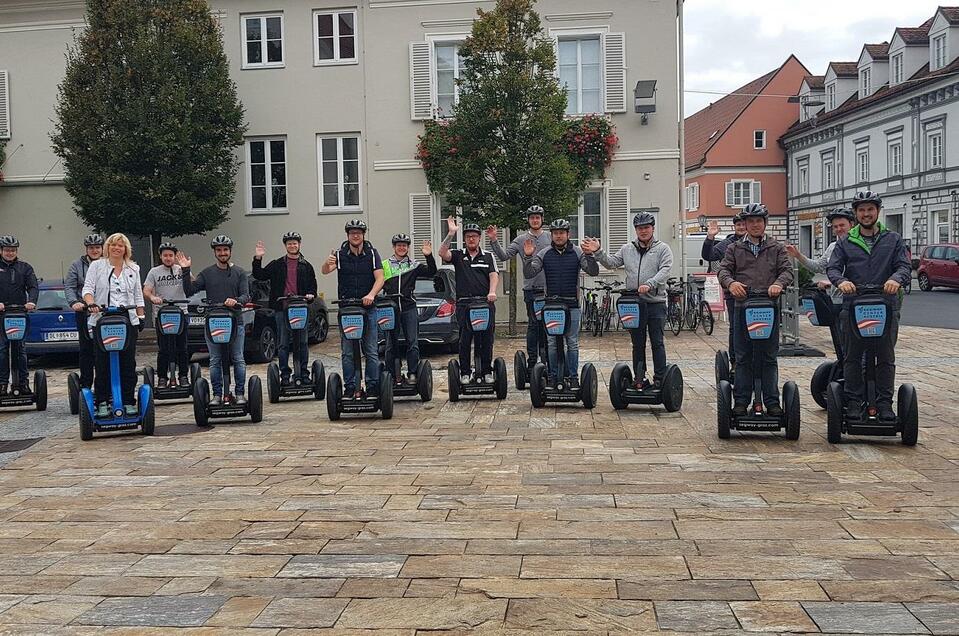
{"points": [[451, 224], [529, 246], [331, 259], [792, 250], [492, 232], [183, 260], [590, 245], [713, 230], [260, 250], [427, 248]]}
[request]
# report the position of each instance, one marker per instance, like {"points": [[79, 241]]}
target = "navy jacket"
{"points": [[18, 283], [562, 269], [853, 260]]}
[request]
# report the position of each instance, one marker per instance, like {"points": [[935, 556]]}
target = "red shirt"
{"points": [[290, 288]]}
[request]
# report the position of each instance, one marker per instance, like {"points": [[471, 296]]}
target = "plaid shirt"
{"points": [[754, 247]]}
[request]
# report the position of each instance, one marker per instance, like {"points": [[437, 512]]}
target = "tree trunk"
{"points": [[513, 287]]}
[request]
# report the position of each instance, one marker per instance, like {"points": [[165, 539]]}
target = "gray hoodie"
{"points": [[651, 268], [76, 275], [543, 241]]}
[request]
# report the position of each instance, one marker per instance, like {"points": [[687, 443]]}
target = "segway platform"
{"points": [[556, 324], [313, 386], [16, 325], [479, 315], [352, 318], [816, 306]]}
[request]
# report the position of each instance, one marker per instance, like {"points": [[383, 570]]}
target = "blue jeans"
{"points": [[652, 320], [572, 346], [20, 363], [409, 321], [300, 347], [533, 328], [352, 378], [239, 364], [766, 350]]}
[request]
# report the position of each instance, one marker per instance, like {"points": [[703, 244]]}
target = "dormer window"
{"points": [[831, 97], [939, 52], [865, 83], [897, 69]]}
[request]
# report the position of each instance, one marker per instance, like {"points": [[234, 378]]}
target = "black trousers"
{"points": [[87, 351], [854, 370], [652, 321], [128, 373], [178, 354], [483, 341]]}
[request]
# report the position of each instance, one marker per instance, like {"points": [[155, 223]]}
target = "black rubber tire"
{"points": [[40, 389], [334, 396], [924, 283], [537, 385], [674, 316], [273, 382], [254, 396], [520, 370], [319, 329], [820, 382], [196, 371], [386, 396], [908, 410], [834, 412], [706, 318], [724, 408], [424, 380], [620, 378], [791, 411], [148, 424], [201, 399], [149, 376], [673, 389], [263, 347], [318, 375], [453, 380], [86, 422], [589, 385], [722, 367], [500, 378], [73, 393]]}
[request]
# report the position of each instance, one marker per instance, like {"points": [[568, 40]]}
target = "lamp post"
{"points": [[701, 219]]}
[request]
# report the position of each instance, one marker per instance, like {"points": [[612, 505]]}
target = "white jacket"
{"points": [[97, 284]]}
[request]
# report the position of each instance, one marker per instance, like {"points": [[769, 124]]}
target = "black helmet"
{"points": [[92, 240], [356, 224], [738, 217], [472, 227], [559, 224], [644, 218], [534, 209], [754, 210], [841, 213], [401, 238], [866, 197], [167, 246], [292, 236], [9, 241], [221, 240]]}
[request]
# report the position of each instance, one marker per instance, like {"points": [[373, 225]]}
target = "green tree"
{"points": [[505, 145], [148, 119]]}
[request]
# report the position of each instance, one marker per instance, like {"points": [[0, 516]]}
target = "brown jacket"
{"points": [[772, 265]]}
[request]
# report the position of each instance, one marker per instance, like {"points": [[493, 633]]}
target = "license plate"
{"points": [[60, 336], [196, 320]]}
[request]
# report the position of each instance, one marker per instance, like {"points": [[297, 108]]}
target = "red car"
{"points": [[939, 266]]}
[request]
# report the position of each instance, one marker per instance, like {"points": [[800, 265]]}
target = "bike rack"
{"points": [[790, 305]]}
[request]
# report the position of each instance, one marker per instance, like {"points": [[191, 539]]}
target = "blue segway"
{"points": [[16, 325], [521, 369], [313, 385], [352, 317], [818, 308], [386, 321], [171, 322], [622, 391], [867, 321], [543, 389], [111, 335], [479, 319]]}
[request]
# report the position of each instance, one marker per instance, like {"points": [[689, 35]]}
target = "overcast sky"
{"points": [[731, 42]]}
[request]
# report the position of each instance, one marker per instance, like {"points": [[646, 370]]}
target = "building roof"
{"points": [[845, 69], [915, 36], [878, 51], [815, 82], [951, 14]]}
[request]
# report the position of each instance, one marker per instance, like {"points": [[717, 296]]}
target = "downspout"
{"points": [[682, 140]]}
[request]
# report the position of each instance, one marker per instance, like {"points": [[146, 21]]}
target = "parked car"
{"points": [[939, 266], [53, 326], [259, 323], [436, 306]]}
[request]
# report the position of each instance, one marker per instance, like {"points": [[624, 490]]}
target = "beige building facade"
{"points": [[335, 96]]}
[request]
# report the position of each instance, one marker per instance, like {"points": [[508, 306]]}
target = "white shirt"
{"points": [[110, 290]]}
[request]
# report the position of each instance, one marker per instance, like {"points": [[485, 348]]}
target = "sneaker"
{"points": [[574, 384], [348, 392], [411, 378], [24, 387], [3, 389], [465, 378], [739, 410], [240, 399], [130, 410], [774, 410], [161, 383], [856, 413], [216, 400], [103, 411], [184, 381], [886, 414], [285, 381], [488, 378]]}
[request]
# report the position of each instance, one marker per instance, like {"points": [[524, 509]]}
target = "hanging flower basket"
{"points": [[590, 142]]}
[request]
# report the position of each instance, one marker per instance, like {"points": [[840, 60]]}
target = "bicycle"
{"points": [[590, 309], [697, 309], [674, 305], [605, 316]]}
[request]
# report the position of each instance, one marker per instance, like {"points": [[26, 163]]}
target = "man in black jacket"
{"points": [[713, 252], [18, 286], [290, 275], [400, 273]]}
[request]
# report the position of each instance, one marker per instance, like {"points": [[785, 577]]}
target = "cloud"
{"points": [[731, 43]]}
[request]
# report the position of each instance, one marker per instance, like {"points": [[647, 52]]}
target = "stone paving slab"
{"points": [[488, 517]]}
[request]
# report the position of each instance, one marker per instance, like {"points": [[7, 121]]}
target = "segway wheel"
{"points": [[500, 380], [254, 395], [537, 385], [201, 399], [149, 376], [619, 381], [453, 380], [86, 422], [386, 396], [589, 385], [724, 408], [273, 382], [834, 412], [424, 380], [334, 396], [40, 389], [148, 423], [820, 381], [318, 372], [722, 366], [73, 393], [791, 412], [195, 373], [520, 370], [908, 409], [673, 389]]}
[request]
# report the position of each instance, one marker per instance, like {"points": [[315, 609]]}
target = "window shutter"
{"points": [[4, 105], [757, 192], [617, 218], [730, 194], [421, 220], [614, 52], [421, 81]]}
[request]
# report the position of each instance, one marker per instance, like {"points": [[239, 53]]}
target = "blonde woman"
{"points": [[114, 281]]}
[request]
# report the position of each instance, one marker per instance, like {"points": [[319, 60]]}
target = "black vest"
{"points": [[562, 272]]}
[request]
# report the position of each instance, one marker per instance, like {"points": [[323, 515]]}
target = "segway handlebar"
{"points": [[295, 298], [870, 289], [13, 308]]}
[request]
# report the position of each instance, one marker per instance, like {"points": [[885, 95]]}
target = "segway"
{"points": [[867, 321], [761, 318], [222, 324], [478, 316], [521, 370], [170, 324], [543, 389], [386, 318], [16, 324], [352, 317], [817, 306], [296, 313], [111, 335], [622, 391]]}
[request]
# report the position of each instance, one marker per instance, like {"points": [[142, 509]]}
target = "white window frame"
{"points": [[245, 64], [744, 183], [339, 137], [578, 36], [897, 68], [866, 82], [935, 153], [802, 173], [939, 52], [441, 40], [828, 171], [581, 215], [267, 155], [692, 197], [938, 226], [337, 59], [862, 164], [762, 145], [831, 97], [894, 157]]}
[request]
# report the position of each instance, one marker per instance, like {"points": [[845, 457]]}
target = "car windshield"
{"points": [[197, 298], [428, 286], [52, 299]]}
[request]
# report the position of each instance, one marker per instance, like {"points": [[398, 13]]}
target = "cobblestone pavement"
{"points": [[489, 517]]}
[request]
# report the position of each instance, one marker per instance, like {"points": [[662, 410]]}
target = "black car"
{"points": [[436, 305], [259, 322]]}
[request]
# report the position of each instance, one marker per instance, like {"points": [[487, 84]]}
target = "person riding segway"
{"points": [[359, 278], [18, 287], [476, 279], [561, 263], [16, 325], [400, 272], [73, 291], [292, 288], [755, 271], [870, 267], [523, 361], [642, 312], [713, 253]]}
